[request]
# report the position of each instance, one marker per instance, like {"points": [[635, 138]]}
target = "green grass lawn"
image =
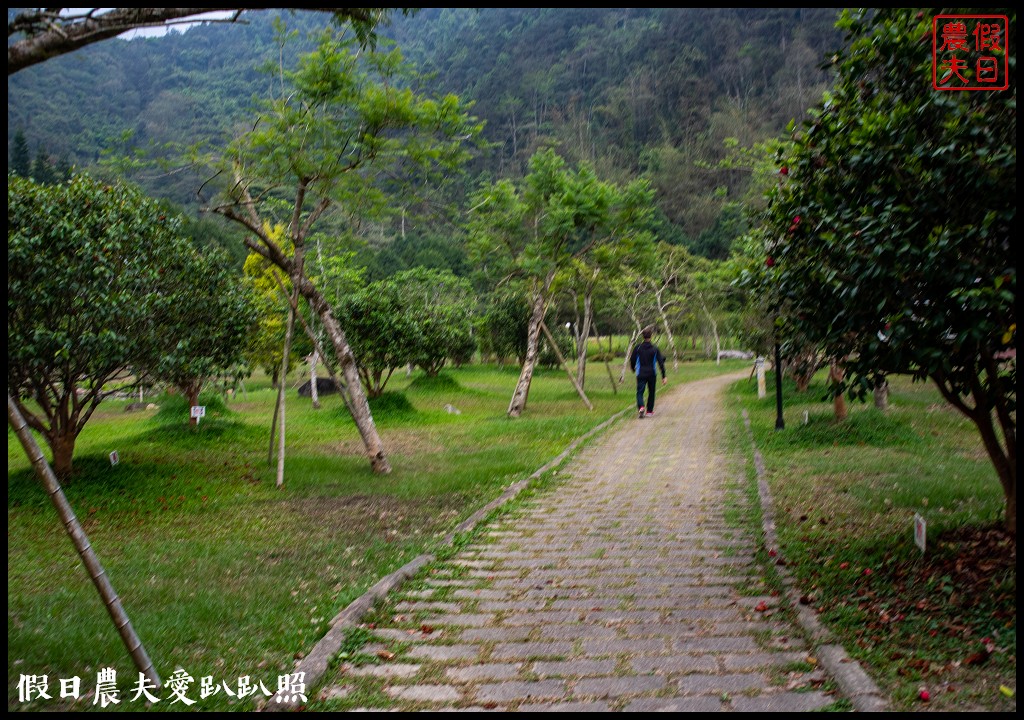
{"points": [[225, 575], [845, 498]]}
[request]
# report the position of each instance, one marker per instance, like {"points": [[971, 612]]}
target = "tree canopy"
{"points": [[536, 228]]}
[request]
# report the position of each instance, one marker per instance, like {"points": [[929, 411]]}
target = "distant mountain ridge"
{"points": [[636, 90]]}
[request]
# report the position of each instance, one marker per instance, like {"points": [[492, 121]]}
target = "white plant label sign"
{"points": [[920, 531]]}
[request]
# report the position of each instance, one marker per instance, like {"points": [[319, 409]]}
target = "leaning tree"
{"points": [[345, 129]]}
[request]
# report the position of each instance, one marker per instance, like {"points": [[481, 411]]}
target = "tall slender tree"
{"points": [[21, 160], [345, 126]]}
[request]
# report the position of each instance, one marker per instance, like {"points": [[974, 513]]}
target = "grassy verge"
{"points": [[224, 575], [846, 495]]}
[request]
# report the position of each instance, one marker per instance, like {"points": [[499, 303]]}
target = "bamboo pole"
{"points": [[81, 542]]}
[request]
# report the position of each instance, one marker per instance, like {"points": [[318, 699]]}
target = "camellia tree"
{"points": [[101, 288], [889, 239], [441, 304], [380, 331], [205, 327]]}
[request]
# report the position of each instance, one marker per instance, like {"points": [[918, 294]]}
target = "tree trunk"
{"points": [[518, 403], [359, 406], [668, 329], [671, 342], [805, 364], [881, 394], [634, 336], [1010, 491], [63, 448], [836, 375], [1002, 454], [561, 360], [1004, 461], [191, 391], [81, 542], [714, 330]]}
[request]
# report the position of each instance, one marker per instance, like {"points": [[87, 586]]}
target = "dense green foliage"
{"points": [[889, 238], [206, 325], [536, 229], [442, 306], [102, 288], [504, 325], [382, 334]]}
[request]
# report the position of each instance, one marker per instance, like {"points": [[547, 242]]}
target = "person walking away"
{"points": [[645, 359]]}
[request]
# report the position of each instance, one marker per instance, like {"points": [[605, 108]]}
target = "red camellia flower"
{"points": [[796, 220], [784, 170], [769, 261]]}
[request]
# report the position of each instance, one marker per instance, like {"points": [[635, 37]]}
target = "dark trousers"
{"points": [[650, 383]]}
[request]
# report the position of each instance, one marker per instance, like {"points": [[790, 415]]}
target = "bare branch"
{"points": [[49, 34]]}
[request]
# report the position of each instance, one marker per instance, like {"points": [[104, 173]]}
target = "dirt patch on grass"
{"points": [[394, 443], [356, 512]]}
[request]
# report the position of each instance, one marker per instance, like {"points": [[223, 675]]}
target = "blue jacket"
{"points": [[645, 360]]}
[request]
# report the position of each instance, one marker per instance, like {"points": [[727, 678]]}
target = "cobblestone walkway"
{"points": [[630, 586]]}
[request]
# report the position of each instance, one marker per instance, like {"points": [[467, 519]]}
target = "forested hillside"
{"points": [[632, 91]]}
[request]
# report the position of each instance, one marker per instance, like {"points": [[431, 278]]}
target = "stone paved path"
{"points": [[630, 586]]}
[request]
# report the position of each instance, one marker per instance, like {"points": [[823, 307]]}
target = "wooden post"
{"points": [[558, 354], [289, 329]]}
